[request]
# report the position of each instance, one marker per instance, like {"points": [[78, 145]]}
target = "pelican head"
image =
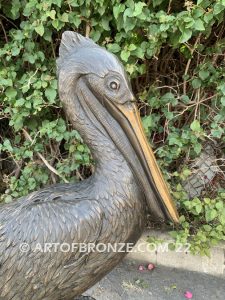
{"points": [[98, 79]]}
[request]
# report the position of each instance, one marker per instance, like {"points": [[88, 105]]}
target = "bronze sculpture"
{"points": [[110, 207]]}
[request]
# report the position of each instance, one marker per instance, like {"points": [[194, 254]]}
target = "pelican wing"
{"points": [[31, 234]]}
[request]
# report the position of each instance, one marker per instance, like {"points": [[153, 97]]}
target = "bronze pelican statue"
{"points": [[108, 208]]}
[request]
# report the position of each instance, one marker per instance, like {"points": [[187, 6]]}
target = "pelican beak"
{"points": [[139, 142]]}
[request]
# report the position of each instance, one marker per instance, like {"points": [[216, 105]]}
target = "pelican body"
{"points": [[108, 208]]}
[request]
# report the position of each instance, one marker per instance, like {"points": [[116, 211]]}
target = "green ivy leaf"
{"points": [[197, 148], [199, 25], [147, 123], [55, 24], [204, 74], [11, 92], [64, 18], [125, 55], [7, 145], [210, 215], [95, 35], [198, 208], [118, 9], [218, 132], [50, 93], [15, 51], [114, 48], [19, 102], [57, 2], [105, 24], [51, 14], [138, 8], [169, 98], [218, 8], [8, 199], [185, 36], [157, 2], [222, 100], [195, 126], [132, 47], [40, 29], [196, 83]]}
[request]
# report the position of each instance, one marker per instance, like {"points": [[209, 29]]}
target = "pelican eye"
{"points": [[114, 85]]}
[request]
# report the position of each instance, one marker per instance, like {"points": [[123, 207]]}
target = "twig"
{"points": [[17, 172], [54, 153], [28, 137], [29, 81], [188, 64], [168, 87], [88, 29], [79, 175], [2, 16], [197, 103], [3, 28], [169, 6]]}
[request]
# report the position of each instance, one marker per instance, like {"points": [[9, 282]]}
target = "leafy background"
{"points": [[174, 52]]}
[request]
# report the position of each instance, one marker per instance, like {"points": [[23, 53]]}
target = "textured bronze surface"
{"points": [[110, 207]]}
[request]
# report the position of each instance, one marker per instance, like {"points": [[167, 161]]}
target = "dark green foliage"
{"points": [[174, 53]]}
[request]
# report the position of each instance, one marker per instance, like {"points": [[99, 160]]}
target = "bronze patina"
{"points": [[109, 208]]}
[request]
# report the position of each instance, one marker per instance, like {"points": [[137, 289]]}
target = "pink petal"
{"points": [[188, 295], [141, 268], [151, 266]]}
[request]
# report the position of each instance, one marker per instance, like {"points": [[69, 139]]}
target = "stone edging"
{"points": [[182, 259]]}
